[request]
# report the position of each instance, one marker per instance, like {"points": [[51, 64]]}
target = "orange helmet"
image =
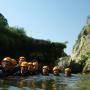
{"points": [[7, 59], [14, 62]]}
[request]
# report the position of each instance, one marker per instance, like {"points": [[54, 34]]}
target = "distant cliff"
{"points": [[79, 60], [81, 50]]}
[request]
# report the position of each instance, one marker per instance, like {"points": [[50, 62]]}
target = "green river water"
{"points": [[39, 82]]}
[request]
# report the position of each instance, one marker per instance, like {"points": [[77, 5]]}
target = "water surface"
{"points": [[39, 82]]}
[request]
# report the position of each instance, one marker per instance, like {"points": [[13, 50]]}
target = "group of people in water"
{"points": [[11, 67]]}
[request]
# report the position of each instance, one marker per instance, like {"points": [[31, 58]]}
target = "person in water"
{"points": [[56, 70], [30, 68], [23, 70], [8, 66], [67, 72], [45, 70], [35, 68], [21, 59]]}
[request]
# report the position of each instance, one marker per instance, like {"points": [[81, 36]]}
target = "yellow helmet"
{"points": [[68, 69], [14, 62], [56, 68], [35, 63], [29, 63], [7, 59], [46, 67], [22, 57], [24, 64]]}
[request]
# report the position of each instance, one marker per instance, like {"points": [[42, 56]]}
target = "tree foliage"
{"points": [[14, 43], [3, 22]]}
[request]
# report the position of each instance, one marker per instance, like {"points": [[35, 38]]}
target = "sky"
{"points": [[54, 20]]}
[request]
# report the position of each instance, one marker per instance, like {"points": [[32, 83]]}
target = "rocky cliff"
{"points": [[81, 50], [79, 60]]}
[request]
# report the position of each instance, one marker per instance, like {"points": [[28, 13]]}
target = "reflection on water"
{"points": [[76, 82]]}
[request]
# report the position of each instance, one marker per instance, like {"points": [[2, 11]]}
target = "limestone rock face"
{"points": [[79, 60], [81, 50], [64, 62], [86, 68]]}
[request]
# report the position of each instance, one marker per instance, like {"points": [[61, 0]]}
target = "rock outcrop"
{"points": [[81, 50], [79, 60], [64, 62], [86, 68]]}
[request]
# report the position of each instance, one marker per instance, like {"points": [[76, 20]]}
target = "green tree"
{"points": [[3, 21]]}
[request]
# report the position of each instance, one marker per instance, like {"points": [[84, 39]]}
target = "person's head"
{"points": [[56, 70], [21, 59], [14, 62], [24, 67], [45, 70], [30, 66], [67, 72], [7, 63], [35, 66]]}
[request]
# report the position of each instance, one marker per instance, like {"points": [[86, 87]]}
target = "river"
{"points": [[51, 82]]}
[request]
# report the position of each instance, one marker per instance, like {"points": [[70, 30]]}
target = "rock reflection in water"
{"points": [[83, 83]]}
